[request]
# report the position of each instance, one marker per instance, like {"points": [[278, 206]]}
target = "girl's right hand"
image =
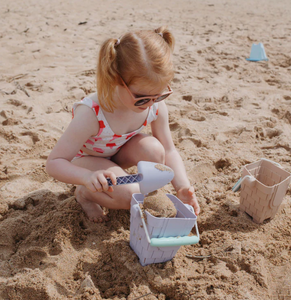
{"points": [[97, 182]]}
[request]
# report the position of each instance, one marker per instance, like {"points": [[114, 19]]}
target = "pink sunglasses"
{"points": [[145, 99]]}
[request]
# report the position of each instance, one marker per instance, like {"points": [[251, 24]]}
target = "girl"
{"points": [[103, 138]]}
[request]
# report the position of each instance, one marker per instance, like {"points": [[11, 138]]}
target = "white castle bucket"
{"points": [[263, 186]]}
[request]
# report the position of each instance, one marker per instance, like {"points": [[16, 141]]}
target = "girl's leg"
{"points": [[140, 147], [118, 199]]}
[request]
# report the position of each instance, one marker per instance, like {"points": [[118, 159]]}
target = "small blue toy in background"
{"points": [[257, 53]]}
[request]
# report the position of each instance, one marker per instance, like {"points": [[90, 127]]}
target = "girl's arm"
{"points": [[59, 166], [161, 130]]}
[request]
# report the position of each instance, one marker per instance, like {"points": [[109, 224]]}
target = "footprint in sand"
{"points": [[39, 87], [287, 116], [187, 97], [185, 136], [8, 135], [184, 132], [273, 82], [283, 61], [15, 102], [273, 132], [34, 136], [196, 117], [223, 163], [11, 121], [8, 118], [29, 258], [174, 126], [264, 131], [21, 104]]}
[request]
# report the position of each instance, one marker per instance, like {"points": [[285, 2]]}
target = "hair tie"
{"points": [[160, 33], [117, 43]]}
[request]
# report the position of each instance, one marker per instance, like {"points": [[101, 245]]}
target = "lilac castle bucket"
{"points": [[157, 240]]}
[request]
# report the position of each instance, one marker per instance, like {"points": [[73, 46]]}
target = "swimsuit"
{"points": [[106, 142]]}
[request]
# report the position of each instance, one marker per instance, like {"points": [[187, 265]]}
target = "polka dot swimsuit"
{"points": [[106, 142]]}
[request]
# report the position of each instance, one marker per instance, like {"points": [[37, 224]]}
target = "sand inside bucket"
{"points": [[159, 205]]}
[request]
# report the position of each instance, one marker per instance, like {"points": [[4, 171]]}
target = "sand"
{"points": [[225, 112], [159, 205]]}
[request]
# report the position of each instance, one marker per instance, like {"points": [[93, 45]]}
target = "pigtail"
{"points": [[107, 74], [167, 36]]}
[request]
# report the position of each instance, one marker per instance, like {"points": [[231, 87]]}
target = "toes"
{"points": [[97, 219], [101, 219], [93, 211]]}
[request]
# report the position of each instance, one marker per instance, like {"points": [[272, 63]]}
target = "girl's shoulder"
{"points": [[153, 113], [93, 97], [90, 101], [160, 112]]}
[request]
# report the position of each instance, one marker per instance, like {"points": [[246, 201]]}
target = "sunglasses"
{"points": [[139, 101]]}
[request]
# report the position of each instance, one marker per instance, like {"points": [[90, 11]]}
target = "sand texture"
{"points": [[159, 205], [225, 112]]}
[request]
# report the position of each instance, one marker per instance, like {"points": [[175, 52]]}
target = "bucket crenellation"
{"points": [[181, 225], [262, 196]]}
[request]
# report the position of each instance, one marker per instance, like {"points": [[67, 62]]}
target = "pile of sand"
{"points": [[159, 205]]}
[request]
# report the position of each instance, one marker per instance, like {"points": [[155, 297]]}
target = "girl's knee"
{"points": [[140, 147], [151, 149], [125, 204], [156, 151]]}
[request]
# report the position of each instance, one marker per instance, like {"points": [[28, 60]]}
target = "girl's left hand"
{"points": [[187, 195]]}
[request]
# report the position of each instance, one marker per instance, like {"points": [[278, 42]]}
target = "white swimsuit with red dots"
{"points": [[106, 142]]}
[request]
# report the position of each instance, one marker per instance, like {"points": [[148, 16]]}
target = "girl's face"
{"points": [[140, 89]]}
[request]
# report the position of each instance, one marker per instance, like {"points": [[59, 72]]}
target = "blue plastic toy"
{"points": [[257, 53]]}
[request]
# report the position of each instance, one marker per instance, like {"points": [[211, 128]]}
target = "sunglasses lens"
{"points": [[142, 102], [161, 98]]}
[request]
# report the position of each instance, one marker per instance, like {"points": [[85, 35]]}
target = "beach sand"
{"points": [[225, 112]]}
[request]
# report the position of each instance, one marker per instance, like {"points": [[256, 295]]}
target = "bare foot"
{"points": [[93, 210]]}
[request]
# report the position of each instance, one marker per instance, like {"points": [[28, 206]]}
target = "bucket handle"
{"points": [[237, 186], [169, 241]]}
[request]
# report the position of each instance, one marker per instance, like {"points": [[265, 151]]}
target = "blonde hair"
{"points": [[142, 55]]}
